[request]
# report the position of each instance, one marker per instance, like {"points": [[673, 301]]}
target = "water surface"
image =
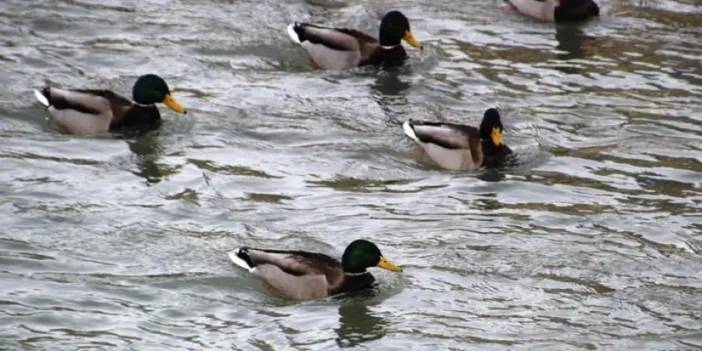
{"points": [[592, 241]]}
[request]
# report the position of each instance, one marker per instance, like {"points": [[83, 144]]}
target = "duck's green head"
{"points": [[362, 254], [395, 27], [150, 89], [491, 127]]}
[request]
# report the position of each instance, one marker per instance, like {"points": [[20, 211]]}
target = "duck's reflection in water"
{"points": [[148, 151], [390, 92], [357, 323], [572, 41]]}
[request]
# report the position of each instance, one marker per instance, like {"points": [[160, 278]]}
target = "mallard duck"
{"points": [[556, 10], [339, 48], [459, 147], [302, 275], [94, 111]]}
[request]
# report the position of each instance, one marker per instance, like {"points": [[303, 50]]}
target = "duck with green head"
{"points": [[86, 111], [302, 275], [340, 48], [460, 147]]}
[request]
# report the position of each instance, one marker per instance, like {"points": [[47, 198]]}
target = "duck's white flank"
{"points": [[293, 34], [42, 99], [233, 255], [409, 131]]}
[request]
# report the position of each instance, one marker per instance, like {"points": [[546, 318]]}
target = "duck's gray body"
{"points": [[298, 275], [93, 111], [451, 146]]}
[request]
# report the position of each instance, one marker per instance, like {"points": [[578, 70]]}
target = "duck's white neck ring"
{"points": [[142, 105], [356, 274], [389, 47]]}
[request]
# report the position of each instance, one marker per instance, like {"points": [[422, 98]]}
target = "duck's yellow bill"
{"points": [[496, 136], [386, 264], [173, 104], [410, 39]]}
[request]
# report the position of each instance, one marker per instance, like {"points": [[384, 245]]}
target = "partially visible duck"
{"points": [[557, 10], [340, 48], [85, 111], [302, 275], [460, 147]]}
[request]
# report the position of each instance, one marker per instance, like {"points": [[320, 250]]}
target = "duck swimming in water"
{"points": [[340, 48], [460, 147], [556, 10], [302, 275], [85, 111]]}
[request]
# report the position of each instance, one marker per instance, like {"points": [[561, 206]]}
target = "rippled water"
{"points": [[592, 242]]}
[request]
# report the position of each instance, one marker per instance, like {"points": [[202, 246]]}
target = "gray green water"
{"points": [[593, 241]]}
